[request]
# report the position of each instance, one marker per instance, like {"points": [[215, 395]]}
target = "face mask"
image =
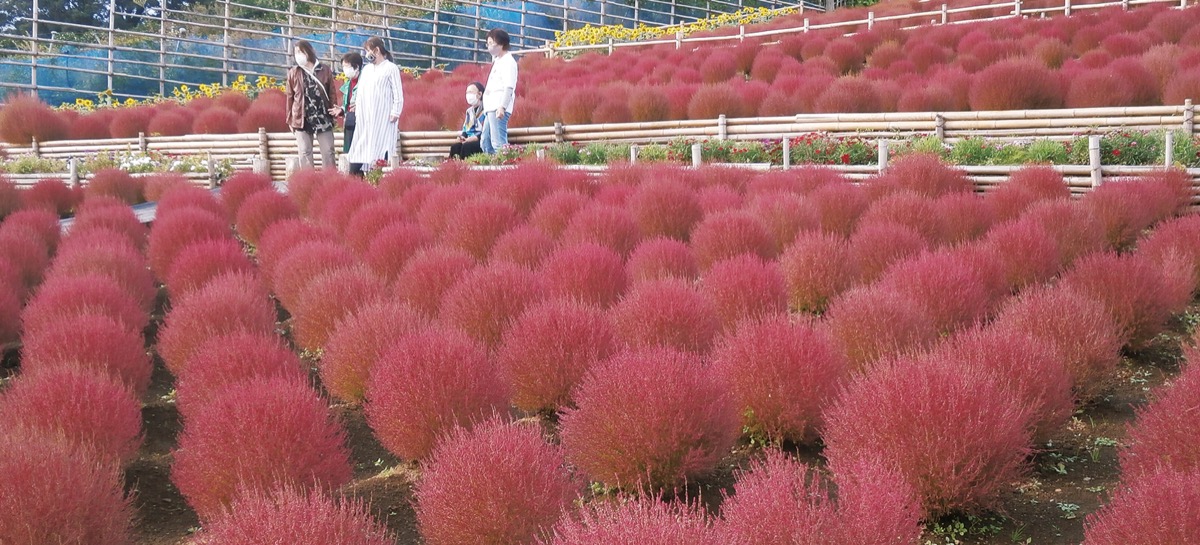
{"points": [[301, 59], [349, 71], [472, 98], [369, 56], [495, 50]]}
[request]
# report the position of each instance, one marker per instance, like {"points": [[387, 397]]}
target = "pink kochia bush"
{"points": [[296, 517], [95, 342], [875, 322], [260, 211], [241, 186], [780, 375], [427, 383], [636, 522], [257, 435], [359, 340], [487, 299], [390, 249], [1161, 439], [948, 287], [669, 312], [610, 226], [587, 272], [897, 409], [200, 262], [654, 417], [498, 483], [226, 305], [1139, 295], [88, 408], [426, 277], [1160, 508], [328, 299], [548, 350], [661, 257], [783, 502], [816, 267], [303, 263], [56, 491], [728, 234], [225, 360], [64, 298], [114, 258], [874, 247], [523, 245], [171, 234], [666, 207], [744, 287], [475, 225]]}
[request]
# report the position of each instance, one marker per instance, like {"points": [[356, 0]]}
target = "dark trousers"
{"points": [[356, 169], [347, 138], [462, 150]]}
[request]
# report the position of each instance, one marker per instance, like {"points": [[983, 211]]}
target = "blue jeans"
{"points": [[495, 132]]}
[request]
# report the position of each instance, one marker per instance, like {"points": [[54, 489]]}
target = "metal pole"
{"points": [[225, 49], [437, 11], [112, 40], [291, 33], [33, 44], [162, 48]]}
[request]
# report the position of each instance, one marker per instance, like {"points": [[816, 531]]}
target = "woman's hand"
{"points": [[471, 139], [336, 111]]}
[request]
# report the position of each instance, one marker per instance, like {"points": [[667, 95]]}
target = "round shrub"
{"points": [[554, 212], [648, 103], [641, 520], [216, 120], [330, 297], [1074, 228], [50, 194], [839, 206], [487, 299], [117, 183], [429, 382], [261, 210], [1028, 253], [429, 274], [281, 236], [59, 492], [1159, 439], [850, 94], [548, 349], [654, 418], [257, 435], [359, 340], [368, 220], [184, 196], [1158, 508], [1134, 290], [728, 234], [874, 322], [925, 174], [119, 220], [391, 248], [63, 298], [816, 268], [949, 287], [228, 304], [785, 216], [442, 201], [40, 222], [745, 287], [714, 100], [668, 312], [130, 122], [232, 358], [498, 483], [523, 245], [897, 409], [93, 410], [24, 118], [297, 517], [780, 374], [239, 187], [162, 183], [334, 205], [586, 272], [172, 122], [607, 225], [475, 225], [10, 314], [197, 264], [1175, 239], [874, 247], [303, 263], [27, 253], [171, 234], [665, 207], [1016, 84], [95, 342], [661, 257]]}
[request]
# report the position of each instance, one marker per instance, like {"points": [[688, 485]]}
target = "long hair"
{"points": [[307, 49], [376, 42]]}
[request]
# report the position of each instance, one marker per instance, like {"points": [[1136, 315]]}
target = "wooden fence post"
{"points": [[696, 152], [1189, 117], [73, 171], [1067, 8], [806, 25], [1168, 149], [264, 145], [1094, 160], [1017, 8], [883, 154], [540, 154], [787, 152], [870, 20], [633, 153], [678, 37], [722, 127], [939, 126], [212, 172], [142, 145], [559, 132], [945, 14], [34, 147]]}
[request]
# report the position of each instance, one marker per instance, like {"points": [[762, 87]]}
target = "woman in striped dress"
{"points": [[377, 105]]}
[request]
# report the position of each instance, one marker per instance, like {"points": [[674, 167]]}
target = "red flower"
{"points": [[845, 158], [1116, 153], [381, 163]]}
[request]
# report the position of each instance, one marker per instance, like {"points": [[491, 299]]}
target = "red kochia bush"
{"points": [[115, 183], [280, 237], [441, 202], [1016, 84], [90, 409], [475, 225], [839, 206], [1028, 253], [95, 342], [216, 120], [745, 287], [10, 197], [926, 174], [428, 382], [1175, 239], [1138, 294], [611, 226], [498, 483], [25, 117], [850, 94], [780, 374], [523, 245], [304, 262], [129, 122], [964, 217], [665, 207], [390, 249], [1083, 333], [728, 234], [27, 253], [1153, 509], [816, 267], [654, 417], [661, 257], [51, 194], [554, 212], [949, 287], [115, 219], [897, 409], [1028, 366], [359, 340], [258, 435], [428, 275], [1127, 207], [1074, 228], [59, 492], [229, 304], [180, 197], [587, 272], [296, 517], [1160, 440], [173, 233], [262, 210], [548, 350], [63, 298], [10, 312], [639, 521], [874, 322], [336, 207], [668, 312], [368, 220], [42, 224], [198, 263], [229, 359], [714, 100], [329, 298], [873, 248], [241, 185], [487, 299]]}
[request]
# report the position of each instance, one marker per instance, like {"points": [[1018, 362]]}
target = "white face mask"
{"points": [[301, 59], [349, 71], [495, 50], [472, 99]]}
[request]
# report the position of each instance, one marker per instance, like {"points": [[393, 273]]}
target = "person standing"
{"points": [[468, 139], [310, 99], [351, 66], [377, 103], [500, 93]]}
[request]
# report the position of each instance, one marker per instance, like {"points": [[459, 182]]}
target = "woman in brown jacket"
{"points": [[311, 99]]}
